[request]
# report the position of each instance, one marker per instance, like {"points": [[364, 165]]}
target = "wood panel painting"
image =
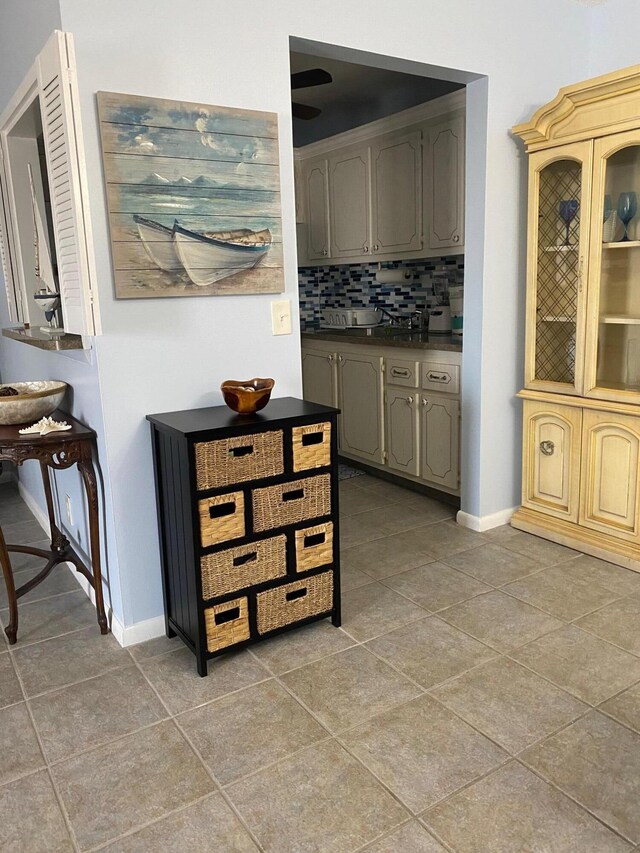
{"points": [[193, 193]]}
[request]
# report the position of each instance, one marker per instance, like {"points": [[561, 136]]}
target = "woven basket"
{"points": [[314, 546], [294, 602], [246, 565], [311, 446], [227, 624], [221, 518], [235, 460], [290, 503]]}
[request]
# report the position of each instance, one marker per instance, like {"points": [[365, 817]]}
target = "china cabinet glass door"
{"points": [[560, 184], [613, 329]]}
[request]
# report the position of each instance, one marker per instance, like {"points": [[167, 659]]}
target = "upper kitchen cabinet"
{"points": [[444, 186], [391, 189], [45, 232]]}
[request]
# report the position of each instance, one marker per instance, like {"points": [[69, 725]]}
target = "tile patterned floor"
{"points": [[483, 696]]}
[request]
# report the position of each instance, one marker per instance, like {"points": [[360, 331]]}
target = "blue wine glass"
{"points": [[568, 210], [627, 209]]}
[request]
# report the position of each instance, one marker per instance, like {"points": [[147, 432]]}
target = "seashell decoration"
{"points": [[44, 426]]}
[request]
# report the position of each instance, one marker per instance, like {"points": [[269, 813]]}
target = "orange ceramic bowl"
{"points": [[247, 397]]}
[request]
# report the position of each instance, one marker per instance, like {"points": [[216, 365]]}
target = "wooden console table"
{"points": [[56, 450]]}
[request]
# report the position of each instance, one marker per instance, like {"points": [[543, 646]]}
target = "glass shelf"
{"points": [[622, 320], [628, 244]]}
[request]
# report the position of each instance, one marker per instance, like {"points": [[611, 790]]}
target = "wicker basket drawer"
{"points": [[311, 446], [235, 460], [290, 503], [221, 518], [314, 546], [293, 602], [246, 565], [227, 624]]}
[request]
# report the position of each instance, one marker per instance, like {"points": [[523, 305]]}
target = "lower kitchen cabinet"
{"points": [[360, 394], [440, 438], [319, 376], [401, 409]]}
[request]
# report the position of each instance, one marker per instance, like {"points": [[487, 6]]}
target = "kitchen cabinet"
{"points": [[390, 417], [396, 202], [360, 403], [440, 439], [349, 207], [581, 471], [444, 171], [316, 181]]}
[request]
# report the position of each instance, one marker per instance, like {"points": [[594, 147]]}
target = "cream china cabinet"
{"points": [[581, 455]]}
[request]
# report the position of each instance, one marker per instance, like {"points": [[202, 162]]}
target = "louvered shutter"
{"points": [[67, 184], [14, 295]]}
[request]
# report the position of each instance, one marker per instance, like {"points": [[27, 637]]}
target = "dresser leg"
{"points": [[201, 666], [336, 620], [12, 628]]}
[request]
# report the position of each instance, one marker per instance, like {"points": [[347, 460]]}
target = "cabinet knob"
{"points": [[410, 400], [330, 358], [324, 252], [340, 358], [456, 238], [547, 448], [365, 249], [376, 247], [425, 402]]}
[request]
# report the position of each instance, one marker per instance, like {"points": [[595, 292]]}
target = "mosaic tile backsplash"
{"points": [[355, 286]]}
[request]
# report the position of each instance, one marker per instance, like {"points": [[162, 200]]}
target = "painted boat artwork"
{"points": [[193, 193], [206, 257]]}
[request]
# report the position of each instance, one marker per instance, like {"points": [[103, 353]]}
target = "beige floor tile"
{"points": [[509, 704], [371, 610], [25, 530], [595, 761], [499, 535], [513, 811], [390, 491], [425, 511], [625, 707], [422, 751], [493, 564], [64, 660], [351, 578], [583, 664], [175, 678], [19, 749], [304, 645], [500, 621], [355, 529], [436, 586], [410, 838], [384, 557], [208, 826], [248, 730], [318, 801], [51, 617], [93, 712], [389, 520], [30, 817], [543, 551], [119, 786], [619, 623], [430, 651], [60, 581], [615, 578], [360, 500], [443, 539], [10, 690], [13, 509], [21, 562], [157, 646], [347, 688], [561, 594]]}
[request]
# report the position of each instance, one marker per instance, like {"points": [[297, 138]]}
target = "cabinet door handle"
{"points": [[410, 401], [425, 402], [340, 358], [547, 448], [456, 238], [399, 371], [324, 252], [329, 358], [365, 249], [376, 247]]}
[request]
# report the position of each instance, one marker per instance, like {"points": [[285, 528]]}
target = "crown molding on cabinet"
{"points": [[414, 115]]}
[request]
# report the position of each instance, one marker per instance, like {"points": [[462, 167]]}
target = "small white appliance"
{"points": [[440, 320], [343, 318]]}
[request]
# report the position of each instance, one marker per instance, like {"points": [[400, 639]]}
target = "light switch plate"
{"points": [[281, 317]]}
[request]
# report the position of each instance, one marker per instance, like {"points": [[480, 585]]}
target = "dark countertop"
{"points": [[35, 338], [385, 336]]}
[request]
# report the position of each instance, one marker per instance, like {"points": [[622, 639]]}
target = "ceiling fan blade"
{"points": [[304, 111], [312, 77]]}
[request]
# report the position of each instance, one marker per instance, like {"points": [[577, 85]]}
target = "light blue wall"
{"points": [[159, 355]]}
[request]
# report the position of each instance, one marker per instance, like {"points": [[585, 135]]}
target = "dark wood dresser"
{"points": [[248, 522]]}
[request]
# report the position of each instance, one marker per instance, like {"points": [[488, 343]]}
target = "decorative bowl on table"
{"points": [[248, 396], [26, 402]]}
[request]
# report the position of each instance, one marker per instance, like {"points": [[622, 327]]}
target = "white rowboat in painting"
{"points": [[206, 257]]}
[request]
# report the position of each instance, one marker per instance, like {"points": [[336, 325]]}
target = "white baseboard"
{"points": [[480, 523]]}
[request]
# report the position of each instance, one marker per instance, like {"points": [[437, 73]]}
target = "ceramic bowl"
{"points": [[248, 396], [33, 401]]}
